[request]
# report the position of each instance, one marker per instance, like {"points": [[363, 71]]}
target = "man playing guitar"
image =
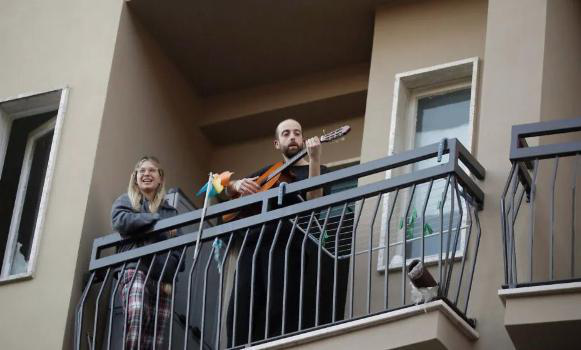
{"points": [[289, 141]]}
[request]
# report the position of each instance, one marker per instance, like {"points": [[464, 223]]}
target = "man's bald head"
{"points": [[287, 122]]}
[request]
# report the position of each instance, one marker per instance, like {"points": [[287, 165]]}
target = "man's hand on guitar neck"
{"points": [[314, 151], [243, 187]]}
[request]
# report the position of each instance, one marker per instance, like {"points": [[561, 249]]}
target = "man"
{"points": [[289, 141]]}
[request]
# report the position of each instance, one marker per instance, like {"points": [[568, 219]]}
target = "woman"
{"points": [[133, 213]]}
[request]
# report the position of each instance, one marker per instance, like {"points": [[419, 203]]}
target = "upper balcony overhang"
{"points": [[433, 325], [230, 46], [543, 317]]}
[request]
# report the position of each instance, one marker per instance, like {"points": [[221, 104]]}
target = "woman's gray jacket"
{"points": [[130, 223]]}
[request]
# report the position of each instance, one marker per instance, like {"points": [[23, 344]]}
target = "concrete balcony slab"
{"points": [[543, 317], [433, 325]]}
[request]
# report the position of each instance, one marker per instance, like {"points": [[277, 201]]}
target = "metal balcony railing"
{"points": [[539, 237], [312, 264]]}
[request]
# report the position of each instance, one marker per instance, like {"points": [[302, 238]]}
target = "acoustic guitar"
{"points": [[276, 173]]}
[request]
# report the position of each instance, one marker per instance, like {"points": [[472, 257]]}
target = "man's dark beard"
{"points": [[289, 153]]}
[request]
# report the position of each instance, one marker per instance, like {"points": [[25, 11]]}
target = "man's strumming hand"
{"points": [[244, 186]]}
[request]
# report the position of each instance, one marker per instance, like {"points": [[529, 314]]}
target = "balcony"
{"points": [[540, 228], [349, 267]]}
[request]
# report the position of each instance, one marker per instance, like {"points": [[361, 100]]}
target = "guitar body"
{"points": [[277, 173], [265, 184]]}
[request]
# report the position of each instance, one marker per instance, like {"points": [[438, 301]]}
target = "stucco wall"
{"points": [[48, 45], [411, 36]]}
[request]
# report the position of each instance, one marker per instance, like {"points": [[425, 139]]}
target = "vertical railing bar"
{"points": [[173, 294], [143, 299], [503, 224], [112, 306], [79, 313], [285, 283], [319, 255], [442, 202], [387, 236], [511, 237], [404, 246], [478, 233], [189, 299], [532, 217], [204, 297], [336, 266], [252, 282], [573, 221], [97, 306], [162, 273], [515, 213], [450, 226], [235, 290], [302, 280], [455, 246], [127, 302], [552, 223], [424, 219], [220, 292], [352, 265], [370, 252], [269, 279], [466, 246], [520, 199]]}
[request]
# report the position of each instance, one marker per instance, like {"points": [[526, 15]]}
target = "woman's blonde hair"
{"points": [[135, 195]]}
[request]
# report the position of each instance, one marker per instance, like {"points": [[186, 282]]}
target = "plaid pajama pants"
{"points": [[139, 303]]}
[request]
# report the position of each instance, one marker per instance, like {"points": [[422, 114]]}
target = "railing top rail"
{"points": [[453, 147], [521, 151]]}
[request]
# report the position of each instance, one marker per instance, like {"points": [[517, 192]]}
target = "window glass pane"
{"points": [[442, 116], [438, 117]]}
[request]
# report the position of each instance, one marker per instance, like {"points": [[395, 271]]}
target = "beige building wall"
{"points": [[408, 36], [560, 100], [527, 52], [49, 45], [516, 76]]}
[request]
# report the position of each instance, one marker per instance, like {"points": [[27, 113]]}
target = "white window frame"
{"points": [[5, 127], [409, 87], [59, 104]]}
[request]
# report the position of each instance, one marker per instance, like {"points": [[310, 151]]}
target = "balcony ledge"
{"points": [[433, 325], [545, 316]]}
